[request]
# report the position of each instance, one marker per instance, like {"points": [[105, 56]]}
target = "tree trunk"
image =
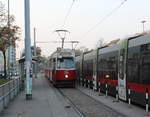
{"points": [[5, 71]]}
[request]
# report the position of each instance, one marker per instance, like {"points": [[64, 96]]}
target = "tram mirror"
{"points": [[58, 65]]}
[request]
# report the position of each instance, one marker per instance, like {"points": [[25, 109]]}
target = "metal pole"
{"points": [[72, 45], [143, 24], [63, 42], [143, 27], [9, 48], [35, 52], [61, 36], [34, 41], [28, 58]]}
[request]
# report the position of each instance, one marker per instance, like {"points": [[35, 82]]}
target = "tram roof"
{"points": [[63, 52]]}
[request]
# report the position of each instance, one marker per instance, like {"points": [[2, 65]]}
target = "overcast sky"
{"points": [[49, 15]]}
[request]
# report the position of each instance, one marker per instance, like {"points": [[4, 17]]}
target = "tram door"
{"points": [[122, 69], [95, 70], [145, 64]]}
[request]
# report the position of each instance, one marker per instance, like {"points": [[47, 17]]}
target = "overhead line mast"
{"points": [[28, 57]]}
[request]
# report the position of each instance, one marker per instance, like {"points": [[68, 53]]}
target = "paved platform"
{"points": [[121, 107], [46, 102]]}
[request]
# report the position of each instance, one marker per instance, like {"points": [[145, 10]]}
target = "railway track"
{"points": [[86, 106], [71, 103]]}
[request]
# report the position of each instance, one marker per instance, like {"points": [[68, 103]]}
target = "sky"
{"points": [[48, 16]]}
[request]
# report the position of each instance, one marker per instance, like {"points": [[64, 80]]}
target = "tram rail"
{"points": [[87, 106]]}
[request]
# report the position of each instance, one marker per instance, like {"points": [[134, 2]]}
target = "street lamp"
{"points": [[10, 47], [143, 24], [35, 53]]}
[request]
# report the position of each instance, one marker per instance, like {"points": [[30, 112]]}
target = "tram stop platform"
{"points": [[46, 102]]}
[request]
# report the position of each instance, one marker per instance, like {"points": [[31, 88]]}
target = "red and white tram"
{"points": [[61, 68]]}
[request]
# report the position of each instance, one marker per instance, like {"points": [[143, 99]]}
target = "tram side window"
{"points": [[145, 66], [133, 64], [85, 68], [107, 65], [112, 64], [90, 67]]}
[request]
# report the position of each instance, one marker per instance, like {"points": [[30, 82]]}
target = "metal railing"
{"points": [[8, 91]]}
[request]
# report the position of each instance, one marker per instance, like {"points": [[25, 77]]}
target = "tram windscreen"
{"points": [[66, 63]]}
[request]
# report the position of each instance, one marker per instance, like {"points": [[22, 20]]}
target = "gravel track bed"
{"points": [[89, 106]]}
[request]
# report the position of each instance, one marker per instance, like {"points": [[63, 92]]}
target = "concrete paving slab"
{"points": [[46, 102]]}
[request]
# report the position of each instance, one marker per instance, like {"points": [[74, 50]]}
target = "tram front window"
{"points": [[66, 63]]}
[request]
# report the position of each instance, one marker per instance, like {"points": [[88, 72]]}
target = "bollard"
{"points": [[88, 83], [106, 89], [147, 100], [81, 82], [129, 94], [117, 96], [93, 86], [117, 93], [99, 88]]}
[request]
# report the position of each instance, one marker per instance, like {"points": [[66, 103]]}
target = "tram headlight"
{"points": [[107, 76], [66, 76]]}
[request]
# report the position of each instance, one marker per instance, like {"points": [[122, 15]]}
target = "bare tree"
{"points": [[8, 33], [100, 43]]}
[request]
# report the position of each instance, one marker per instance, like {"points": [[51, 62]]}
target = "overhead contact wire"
{"points": [[68, 13], [105, 17]]}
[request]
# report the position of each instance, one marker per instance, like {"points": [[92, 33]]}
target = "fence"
{"points": [[8, 91]]}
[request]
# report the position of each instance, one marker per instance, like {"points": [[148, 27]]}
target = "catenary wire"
{"points": [[104, 18], [68, 13]]}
